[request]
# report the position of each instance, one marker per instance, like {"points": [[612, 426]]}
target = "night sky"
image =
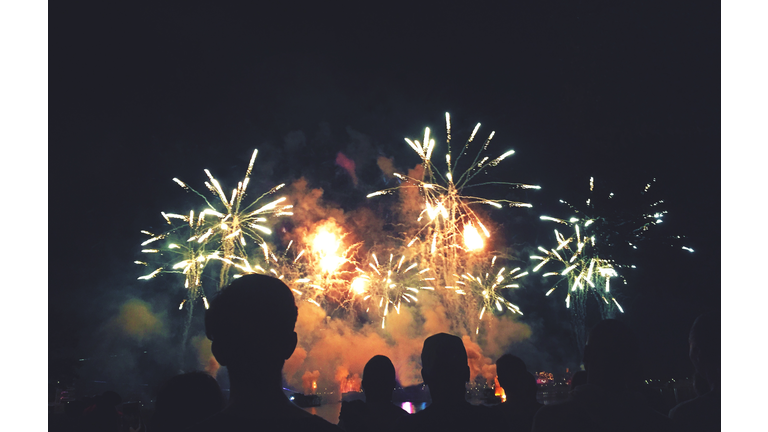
{"points": [[624, 92]]}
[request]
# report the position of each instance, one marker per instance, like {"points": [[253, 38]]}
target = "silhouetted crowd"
{"points": [[251, 327]]}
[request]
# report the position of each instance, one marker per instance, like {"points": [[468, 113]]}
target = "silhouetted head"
{"points": [[250, 324], [102, 415], [444, 365], [186, 400], [514, 378], [611, 355], [704, 346], [111, 398], [379, 379], [579, 378]]}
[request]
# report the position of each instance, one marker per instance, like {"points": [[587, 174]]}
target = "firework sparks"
{"points": [[385, 284], [581, 266], [237, 221], [448, 221], [486, 284], [186, 248], [290, 266]]}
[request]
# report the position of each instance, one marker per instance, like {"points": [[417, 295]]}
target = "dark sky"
{"points": [[141, 93]]}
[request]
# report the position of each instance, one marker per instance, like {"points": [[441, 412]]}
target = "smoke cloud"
{"points": [[137, 320], [207, 361], [348, 165], [386, 165], [309, 380]]}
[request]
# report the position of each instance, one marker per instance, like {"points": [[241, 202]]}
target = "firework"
{"points": [[580, 265], [620, 221], [187, 241], [185, 247], [485, 284], [236, 221], [448, 223], [583, 261], [290, 266], [386, 284], [602, 229]]}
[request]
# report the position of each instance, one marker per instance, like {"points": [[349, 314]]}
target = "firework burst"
{"points": [[289, 266], [581, 266], [448, 223], [485, 284], [191, 247], [236, 222], [384, 285], [584, 261]]}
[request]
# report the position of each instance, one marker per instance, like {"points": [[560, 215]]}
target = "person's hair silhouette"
{"points": [[607, 401], [185, 400], [579, 378], [445, 370], [704, 348], [379, 379], [611, 355], [251, 327], [377, 413], [519, 385], [102, 415], [703, 413]]}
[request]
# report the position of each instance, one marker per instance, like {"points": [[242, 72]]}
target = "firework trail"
{"points": [[237, 221], [187, 240], [449, 227], [384, 285]]}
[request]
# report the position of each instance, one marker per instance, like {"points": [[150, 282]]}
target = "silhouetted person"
{"points": [[606, 402], [186, 400], [131, 419], [579, 378], [445, 370], [250, 324], [102, 415], [703, 412], [516, 413], [377, 413]]}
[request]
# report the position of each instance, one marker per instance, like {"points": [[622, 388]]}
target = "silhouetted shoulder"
{"points": [[289, 419], [557, 417], [447, 418], [701, 414], [515, 416], [595, 411]]}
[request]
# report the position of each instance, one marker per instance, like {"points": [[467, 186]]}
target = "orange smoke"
{"points": [[309, 207], [204, 355], [347, 383], [309, 381], [386, 165], [503, 333], [339, 348], [137, 320], [293, 364], [478, 363]]}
